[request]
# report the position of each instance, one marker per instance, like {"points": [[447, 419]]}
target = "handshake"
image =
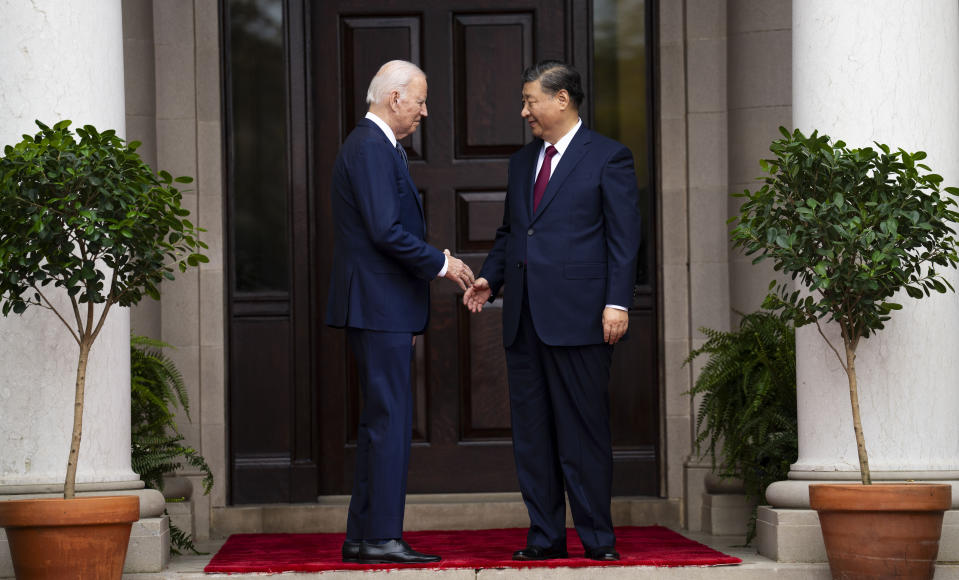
{"points": [[477, 289]]}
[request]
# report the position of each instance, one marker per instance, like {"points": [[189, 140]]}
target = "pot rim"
{"points": [[918, 496], [90, 510]]}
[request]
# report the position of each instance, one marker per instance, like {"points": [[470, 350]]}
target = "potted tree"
{"points": [[88, 219], [854, 227]]}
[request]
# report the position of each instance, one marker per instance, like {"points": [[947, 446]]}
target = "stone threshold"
{"points": [[472, 511]]}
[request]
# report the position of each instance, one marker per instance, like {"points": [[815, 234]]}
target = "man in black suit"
{"points": [[379, 291], [566, 257]]}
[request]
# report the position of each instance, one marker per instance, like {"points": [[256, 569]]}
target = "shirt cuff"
{"points": [[617, 307], [446, 265]]}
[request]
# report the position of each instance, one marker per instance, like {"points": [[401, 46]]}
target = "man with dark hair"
{"points": [[566, 259]]}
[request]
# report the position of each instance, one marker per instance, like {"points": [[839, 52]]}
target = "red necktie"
{"points": [[543, 178]]}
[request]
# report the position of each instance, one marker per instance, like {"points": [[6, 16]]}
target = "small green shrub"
{"points": [[747, 415], [157, 391]]}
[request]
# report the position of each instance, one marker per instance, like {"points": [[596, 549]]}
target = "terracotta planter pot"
{"points": [[881, 530], [69, 539]]}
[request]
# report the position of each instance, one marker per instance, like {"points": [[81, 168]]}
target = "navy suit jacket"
{"points": [[579, 248], [381, 264]]}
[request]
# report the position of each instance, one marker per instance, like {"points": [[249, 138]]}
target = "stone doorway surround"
{"points": [[722, 91]]}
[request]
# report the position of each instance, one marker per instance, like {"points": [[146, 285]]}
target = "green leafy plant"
{"points": [[87, 218], [853, 226], [747, 411], [157, 391]]}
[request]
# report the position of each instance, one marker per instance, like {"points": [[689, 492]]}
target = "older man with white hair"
{"points": [[379, 292]]}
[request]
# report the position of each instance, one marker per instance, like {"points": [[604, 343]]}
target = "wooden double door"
{"points": [[473, 53]]}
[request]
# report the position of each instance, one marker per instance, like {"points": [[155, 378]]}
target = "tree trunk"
{"points": [[856, 421], [69, 486]]}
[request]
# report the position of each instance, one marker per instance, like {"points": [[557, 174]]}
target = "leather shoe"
{"points": [[393, 552], [351, 552], [539, 553], [603, 554]]}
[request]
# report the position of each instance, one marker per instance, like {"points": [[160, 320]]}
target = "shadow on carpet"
{"points": [[475, 549]]}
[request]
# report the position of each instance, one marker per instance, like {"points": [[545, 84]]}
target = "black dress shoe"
{"points": [[602, 554], [538, 553], [393, 552], [351, 552]]}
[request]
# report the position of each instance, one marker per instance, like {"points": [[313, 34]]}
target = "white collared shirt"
{"points": [[383, 126], [561, 145], [389, 135]]}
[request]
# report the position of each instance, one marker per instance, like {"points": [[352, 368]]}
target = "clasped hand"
{"points": [[458, 271], [477, 295]]}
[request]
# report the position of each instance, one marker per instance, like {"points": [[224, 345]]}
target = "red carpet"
{"points": [[639, 546]]}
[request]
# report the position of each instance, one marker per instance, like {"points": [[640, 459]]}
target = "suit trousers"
{"points": [[559, 406], [385, 430]]}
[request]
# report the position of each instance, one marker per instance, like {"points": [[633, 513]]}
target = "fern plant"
{"points": [[157, 391], [747, 415]]}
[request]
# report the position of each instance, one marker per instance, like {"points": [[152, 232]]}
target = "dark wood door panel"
{"points": [[368, 42], [490, 52], [473, 52], [634, 407], [484, 398], [293, 398], [260, 401]]}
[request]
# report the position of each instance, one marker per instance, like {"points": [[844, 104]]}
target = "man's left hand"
{"points": [[615, 323]]}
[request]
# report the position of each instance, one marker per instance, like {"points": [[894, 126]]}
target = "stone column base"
{"points": [[182, 516], [695, 471], [726, 514], [794, 535], [149, 549]]}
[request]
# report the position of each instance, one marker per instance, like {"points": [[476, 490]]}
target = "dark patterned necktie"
{"points": [[543, 178], [402, 151]]}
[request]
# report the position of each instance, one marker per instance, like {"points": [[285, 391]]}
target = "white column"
{"points": [[885, 71], [61, 60]]}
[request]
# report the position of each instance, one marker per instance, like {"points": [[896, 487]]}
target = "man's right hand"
{"points": [[458, 271], [478, 295]]}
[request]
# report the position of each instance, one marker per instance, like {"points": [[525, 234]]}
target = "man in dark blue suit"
{"points": [[566, 258], [379, 291]]}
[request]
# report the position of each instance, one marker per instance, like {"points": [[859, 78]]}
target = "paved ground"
{"points": [[754, 567]]}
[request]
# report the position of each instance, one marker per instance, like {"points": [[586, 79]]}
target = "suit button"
{"points": [[519, 264], [529, 232]]}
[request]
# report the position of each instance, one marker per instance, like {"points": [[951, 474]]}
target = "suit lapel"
{"points": [[398, 159], [571, 157]]}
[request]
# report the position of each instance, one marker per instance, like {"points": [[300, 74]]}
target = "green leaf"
{"points": [[913, 292]]}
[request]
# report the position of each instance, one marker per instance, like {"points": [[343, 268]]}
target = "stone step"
{"points": [[455, 511], [754, 567]]}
